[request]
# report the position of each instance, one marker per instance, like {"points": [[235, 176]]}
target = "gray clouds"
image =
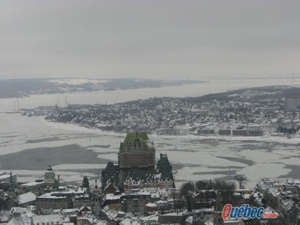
{"points": [[149, 39]]}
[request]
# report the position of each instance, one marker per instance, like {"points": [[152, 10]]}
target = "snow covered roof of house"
{"points": [[151, 205], [24, 220], [150, 218], [130, 221], [49, 195], [18, 210], [40, 219], [30, 184], [112, 197], [112, 214], [161, 202], [69, 191], [26, 198]]}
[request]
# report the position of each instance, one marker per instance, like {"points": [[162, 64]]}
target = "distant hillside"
{"points": [[25, 87], [241, 95], [250, 94]]}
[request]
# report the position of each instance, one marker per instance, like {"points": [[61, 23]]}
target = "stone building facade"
{"points": [[49, 176], [135, 203], [47, 202]]}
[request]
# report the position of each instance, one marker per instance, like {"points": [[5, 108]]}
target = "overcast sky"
{"points": [[149, 39]]}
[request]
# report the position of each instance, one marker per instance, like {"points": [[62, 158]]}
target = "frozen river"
{"points": [[29, 144]]}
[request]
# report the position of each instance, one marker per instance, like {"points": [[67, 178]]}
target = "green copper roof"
{"points": [[132, 136], [134, 139], [85, 182], [55, 185]]}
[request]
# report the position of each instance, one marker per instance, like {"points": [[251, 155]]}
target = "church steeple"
{"points": [[56, 183], [85, 183], [11, 188]]}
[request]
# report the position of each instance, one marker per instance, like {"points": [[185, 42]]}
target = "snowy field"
{"points": [[29, 144]]}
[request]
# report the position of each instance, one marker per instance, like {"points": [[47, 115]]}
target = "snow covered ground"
{"points": [[29, 145]]}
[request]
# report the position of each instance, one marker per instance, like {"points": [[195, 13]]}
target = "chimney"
{"points": [[96, 186], [58, 179]]}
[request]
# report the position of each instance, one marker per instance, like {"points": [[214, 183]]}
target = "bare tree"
{"points": [[226, 190], [178, 202], [202, 185], [241, 179], [186, 192]]}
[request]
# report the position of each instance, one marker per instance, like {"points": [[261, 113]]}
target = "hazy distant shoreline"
{"points": [[18, 88]]}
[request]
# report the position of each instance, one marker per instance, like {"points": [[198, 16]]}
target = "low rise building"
{"points": [[135, 202], [26, 199], [46, 203], [83, 200]]}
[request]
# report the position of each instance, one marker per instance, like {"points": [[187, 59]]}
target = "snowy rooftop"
{"points": [[18, 210], [67, 211], [27, 197], [30, 184], [139, 193], [152, 205], [69, 191], [49, 195], [47, 219], [130, 221], [112, 197]]}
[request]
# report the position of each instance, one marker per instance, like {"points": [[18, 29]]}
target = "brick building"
{"points": [[136, 152]]}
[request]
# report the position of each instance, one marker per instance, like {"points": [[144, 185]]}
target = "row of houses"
{"points": [[231, 132]]}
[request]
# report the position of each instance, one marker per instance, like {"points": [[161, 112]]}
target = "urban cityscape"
{"points": [[140, 190], [142, 112]]}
